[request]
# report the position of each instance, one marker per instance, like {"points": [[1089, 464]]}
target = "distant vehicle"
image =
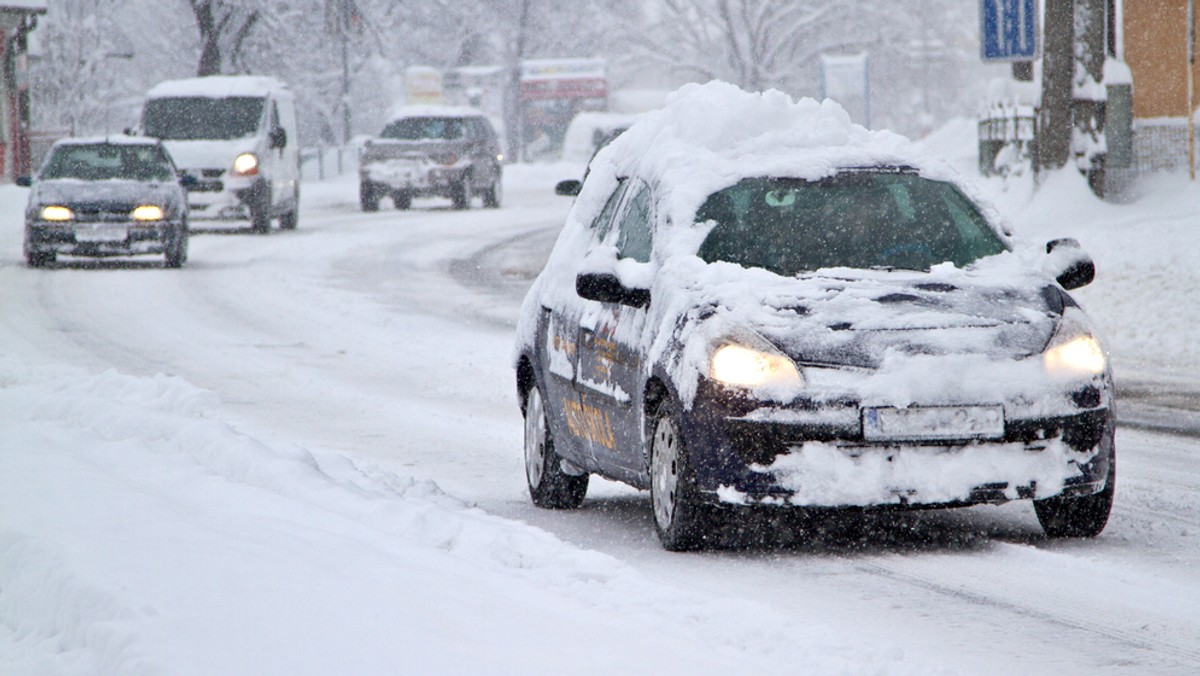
{"points": [[571, 187], [116, 196], [442, 151], [756, 304], [236, 135]]}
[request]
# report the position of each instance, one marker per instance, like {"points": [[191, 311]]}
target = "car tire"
{"points": [[494, 193], [549, 486], [402, 199], [289, 220], [260, 213], [682, 520], [461, 194], [368, 197], [1079, 517], [176, 254]]}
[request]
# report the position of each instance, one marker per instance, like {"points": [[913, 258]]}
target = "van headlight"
{"points": [[245, 164], [744, 366], [1074, 351]]}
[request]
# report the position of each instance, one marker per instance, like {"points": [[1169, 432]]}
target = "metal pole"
{"points": [[344, 30], [1191, 87]]}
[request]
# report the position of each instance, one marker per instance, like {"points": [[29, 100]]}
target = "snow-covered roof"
{"points": [[115, 139], [32, 6], [710, 136], [218, 86], [430, 110]]}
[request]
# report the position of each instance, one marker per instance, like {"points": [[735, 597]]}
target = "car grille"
{"points": [[102, 212]]}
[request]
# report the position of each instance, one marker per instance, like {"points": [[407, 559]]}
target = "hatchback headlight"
{"points": [[148, 212], [56, 213], [1074, 351], [742, 366], [245, 164]]}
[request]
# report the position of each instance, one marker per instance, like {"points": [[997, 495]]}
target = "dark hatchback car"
{"points": [[432, 151], [751, 324], [117, 196]]}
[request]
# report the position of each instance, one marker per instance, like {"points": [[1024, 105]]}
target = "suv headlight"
{"points": [[759, 367], [148, 212], [1074, 351], [245, 164]]}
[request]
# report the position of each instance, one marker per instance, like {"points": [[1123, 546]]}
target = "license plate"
{"points": [[934, 423], [101, 233]]}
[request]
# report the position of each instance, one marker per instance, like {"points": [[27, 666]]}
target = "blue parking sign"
{"points": [[1010, 30]]}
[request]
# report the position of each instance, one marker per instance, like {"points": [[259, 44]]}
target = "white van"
{"points": [[236, 135]]}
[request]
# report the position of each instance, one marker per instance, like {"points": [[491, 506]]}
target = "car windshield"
{"points": [[200, 117], [105, 161], [420, 128], [854, 219]]}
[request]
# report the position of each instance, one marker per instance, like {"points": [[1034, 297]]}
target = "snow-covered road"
{"points": [[301, 454]]}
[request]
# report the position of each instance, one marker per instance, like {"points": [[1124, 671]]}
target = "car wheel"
{"points": [[1079, 517], [368, 197], [176, 253], [494, 193], [402, 199], [680, 517], [549, 486], [260, 213], [461, 195], [289, 220]]}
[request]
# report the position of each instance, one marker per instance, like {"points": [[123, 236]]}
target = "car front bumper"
{"points": [[815, 455], [416, 177], [126, 238]]}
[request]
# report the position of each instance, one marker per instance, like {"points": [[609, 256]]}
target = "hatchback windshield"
{"points": [[195, 118], [104, 161], [854, 219], [418, 128]]}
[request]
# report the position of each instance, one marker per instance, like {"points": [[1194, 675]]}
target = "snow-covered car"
{"points": [[438, 151], [755, 302], [118, 196]]}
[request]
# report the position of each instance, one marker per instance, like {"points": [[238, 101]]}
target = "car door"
{"points": [[609, 366], [578, 424]]}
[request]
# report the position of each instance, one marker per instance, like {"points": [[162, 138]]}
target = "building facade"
{"points": [[17, 19]]}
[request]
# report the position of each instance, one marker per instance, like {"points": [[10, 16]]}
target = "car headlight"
{"points": [[245, 164], [1074, 351], [148, 212], [742, 366], [56, 213]]}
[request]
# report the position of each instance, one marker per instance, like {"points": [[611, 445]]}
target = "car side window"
{"points": [[603, 223], [635, 237]]}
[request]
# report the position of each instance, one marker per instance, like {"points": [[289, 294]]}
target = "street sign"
{"points": [[1009, 30]]}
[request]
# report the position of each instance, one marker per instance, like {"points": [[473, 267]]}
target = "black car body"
{"points": [[760, 322], [118, 196], [438, 151]]}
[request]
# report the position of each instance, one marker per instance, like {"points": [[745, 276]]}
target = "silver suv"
{"points": [[426, 151]]}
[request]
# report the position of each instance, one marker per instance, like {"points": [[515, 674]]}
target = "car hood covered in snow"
{"points": [[74, 191], [208, 154]]}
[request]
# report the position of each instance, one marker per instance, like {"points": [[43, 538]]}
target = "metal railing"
{"points": [[322, 162]]}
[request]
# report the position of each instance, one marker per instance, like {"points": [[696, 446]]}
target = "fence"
{"points": [[321, 162], [1007, 139]]}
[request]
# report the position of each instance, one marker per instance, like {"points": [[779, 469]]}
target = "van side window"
{"points": [[274, 116]]}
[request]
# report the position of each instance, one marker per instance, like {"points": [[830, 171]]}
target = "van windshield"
{"points": [[192, 118]]}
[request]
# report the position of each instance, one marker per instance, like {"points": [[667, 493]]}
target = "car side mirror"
{"points": [[188, 181], [568, 188], [1075, 268], [278, 138], [606, 288], [25, 181]]}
